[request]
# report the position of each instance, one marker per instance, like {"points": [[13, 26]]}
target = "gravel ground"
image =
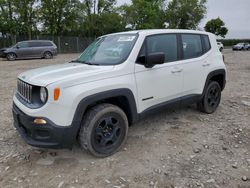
{"points": [[180, 148]]}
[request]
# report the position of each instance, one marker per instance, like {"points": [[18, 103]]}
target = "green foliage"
{"points": [[216, 26], [101, 18], [59, 16], [18, 17], [185, 14], [93, 18], [144, 14]]}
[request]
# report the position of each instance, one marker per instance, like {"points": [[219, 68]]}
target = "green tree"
{"points": [[216, 26], [7, 20], [26, 11], [185, 14], [143, 14], [101, 18], [18, 17], [60, 16]]}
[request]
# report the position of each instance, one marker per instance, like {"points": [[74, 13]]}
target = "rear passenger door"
{"points": [[196, 60], [36, 48], [163, 82]]}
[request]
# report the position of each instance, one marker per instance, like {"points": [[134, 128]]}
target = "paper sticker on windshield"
{"points": [[126, 38]]}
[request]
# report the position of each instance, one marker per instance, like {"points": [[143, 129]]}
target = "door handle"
{"points": [[205, 64], [176, 70]]}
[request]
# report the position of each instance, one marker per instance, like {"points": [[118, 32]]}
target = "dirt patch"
{"points": [[179, 148]]}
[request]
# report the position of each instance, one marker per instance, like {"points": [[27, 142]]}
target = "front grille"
{"points": [[24, 90]]}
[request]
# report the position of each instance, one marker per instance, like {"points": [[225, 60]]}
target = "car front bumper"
{"points": [[2, 54], [46, 135]]}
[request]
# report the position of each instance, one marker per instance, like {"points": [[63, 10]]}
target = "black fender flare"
{"points": [[87, 101], [212, 74]]}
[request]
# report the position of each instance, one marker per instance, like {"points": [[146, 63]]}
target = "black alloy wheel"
{"points": [[108, 132], [211, 98], [103, 130]]}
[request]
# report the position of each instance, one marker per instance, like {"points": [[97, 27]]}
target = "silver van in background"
{"points": [[30, 49]]}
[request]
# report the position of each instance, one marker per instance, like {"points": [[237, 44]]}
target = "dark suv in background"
{"points": [[30, 49]]}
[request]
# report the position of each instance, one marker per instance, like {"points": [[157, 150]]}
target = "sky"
{"points": [[235, 14]]}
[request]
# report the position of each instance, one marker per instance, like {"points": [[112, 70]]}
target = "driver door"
{"points": [[161, 83]]}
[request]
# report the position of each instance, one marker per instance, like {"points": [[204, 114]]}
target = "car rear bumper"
{"points": [[46, 135]]}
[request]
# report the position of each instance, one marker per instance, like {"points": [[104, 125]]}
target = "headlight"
{"points": [[43, 94]]}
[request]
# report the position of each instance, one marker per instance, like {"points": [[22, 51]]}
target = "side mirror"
{"points": [[155, 59], [141, 60], [17, 47]]}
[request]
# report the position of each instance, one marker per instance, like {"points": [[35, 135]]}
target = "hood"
{"points": [[51, 74]]}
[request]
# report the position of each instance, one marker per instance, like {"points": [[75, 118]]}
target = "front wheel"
{"points": [[211, 98], [104, 130], [11, 56]]}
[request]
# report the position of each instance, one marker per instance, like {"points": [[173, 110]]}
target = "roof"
{"points": [[36, 41], [159, 31]]}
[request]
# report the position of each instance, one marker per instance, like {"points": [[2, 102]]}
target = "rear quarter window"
{"points": [[192, 45], [47, 43], [206, 43]]}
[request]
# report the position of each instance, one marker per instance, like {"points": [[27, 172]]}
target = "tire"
{"points": [[103, 130], [211, 98], [11, 56], [47, 55]]}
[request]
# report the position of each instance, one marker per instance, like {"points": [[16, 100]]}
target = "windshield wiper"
{"points": [[89, 63], [83, 62], [75, 61]]}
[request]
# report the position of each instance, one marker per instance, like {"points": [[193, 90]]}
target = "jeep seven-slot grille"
{"points": [[24, 90]]}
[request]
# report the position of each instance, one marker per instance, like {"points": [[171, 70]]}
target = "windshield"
{"points": [[108, 50]]}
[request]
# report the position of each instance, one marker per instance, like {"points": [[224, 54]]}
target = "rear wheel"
{"points": [[211, 98], [47, 55], [11, 56], [103, 130]]}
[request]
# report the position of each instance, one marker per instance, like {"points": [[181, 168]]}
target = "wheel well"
{"points": [[11, 53], [220, 79], [120, 101], [47, 51]]}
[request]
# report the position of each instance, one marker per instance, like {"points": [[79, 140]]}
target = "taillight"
{"points": [[223, 57]]}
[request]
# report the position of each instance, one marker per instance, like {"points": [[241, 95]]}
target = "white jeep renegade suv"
{"points": [[119, 79]]}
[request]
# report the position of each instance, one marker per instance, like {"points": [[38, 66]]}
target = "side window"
{"points": [[23, 44], [192, 46], [35, 44], [47, 43], [206, 43], [163, 43]]}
